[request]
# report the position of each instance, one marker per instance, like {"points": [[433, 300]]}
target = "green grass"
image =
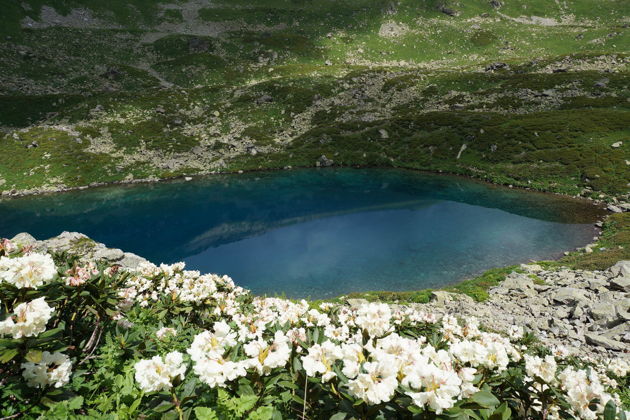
{"points": [[612, 246], [477, 288]]}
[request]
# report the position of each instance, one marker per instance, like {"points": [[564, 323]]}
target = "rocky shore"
{"points": [[587, 312]]}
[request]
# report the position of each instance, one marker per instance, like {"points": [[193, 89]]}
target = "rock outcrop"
{"points": [[586, 311], [80, 244]]}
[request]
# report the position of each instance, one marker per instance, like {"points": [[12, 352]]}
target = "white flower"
{"points": [[265, 357], [374, 318], [217, 372], [544, 369], [467, 375], [156, 374], [496, 356], [321, 358], [619, 367], [437, 388], [377, 384], [470, 352], [164, 332], [352, 359], [581, 389], [207, 345], [53, 369], [560, 351], [30, 319], [451, 328], [515, 332], [32, 270]]}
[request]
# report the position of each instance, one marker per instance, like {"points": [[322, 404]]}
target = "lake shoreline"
{"points": [[12, 194]]}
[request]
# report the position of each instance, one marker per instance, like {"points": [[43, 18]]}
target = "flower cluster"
{"points": [[363, 351], [30, 319], [25, 319], [52, 369], [79, 274], [150, 283], [28, 271], [157, 374], [363, 356]]}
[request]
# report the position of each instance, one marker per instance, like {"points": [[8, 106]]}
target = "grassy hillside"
{"points": [[532, 93]]}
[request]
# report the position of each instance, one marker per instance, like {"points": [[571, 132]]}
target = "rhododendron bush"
{"points": [[84, 339]]}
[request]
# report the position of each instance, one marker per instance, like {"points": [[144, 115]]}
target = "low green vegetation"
{"points": [[477, 288], [612, 246], [86, 340]]}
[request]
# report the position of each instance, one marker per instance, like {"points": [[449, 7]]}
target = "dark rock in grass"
{"points": [[198, 45], [495, 3], [111, 74], [264, 99], [497, 66], [448, 10], [324, 161]]}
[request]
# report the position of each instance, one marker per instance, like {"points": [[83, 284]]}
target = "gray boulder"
{"points": [[621, 269], [621, 283], [607, 343], [66, 241], [131, 260], [569, 296], [441, 297], [109, 254], [23, 239], [324, 161], [603, 313]]}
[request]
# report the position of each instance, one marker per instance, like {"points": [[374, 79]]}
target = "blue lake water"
{"points": [[318, 233]]}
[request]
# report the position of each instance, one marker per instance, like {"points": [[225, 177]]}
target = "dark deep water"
{"points": [[317, 233]]}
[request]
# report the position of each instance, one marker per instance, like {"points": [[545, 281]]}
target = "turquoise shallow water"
{"points": [[317, 233]]}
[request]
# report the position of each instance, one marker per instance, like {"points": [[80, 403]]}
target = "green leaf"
{"points": [[164, 406], [262, 413], [51, 333], [34, 356], [503, 412], [7, 355], [205, 413], [338, 416], [485, 399], [287, 384], [75, 403], [610, 411]]}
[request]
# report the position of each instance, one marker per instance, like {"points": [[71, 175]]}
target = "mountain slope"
{"points": [[530, 93]]}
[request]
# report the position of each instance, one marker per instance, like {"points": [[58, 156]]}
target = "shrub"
{"points": [[83, 339]]}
